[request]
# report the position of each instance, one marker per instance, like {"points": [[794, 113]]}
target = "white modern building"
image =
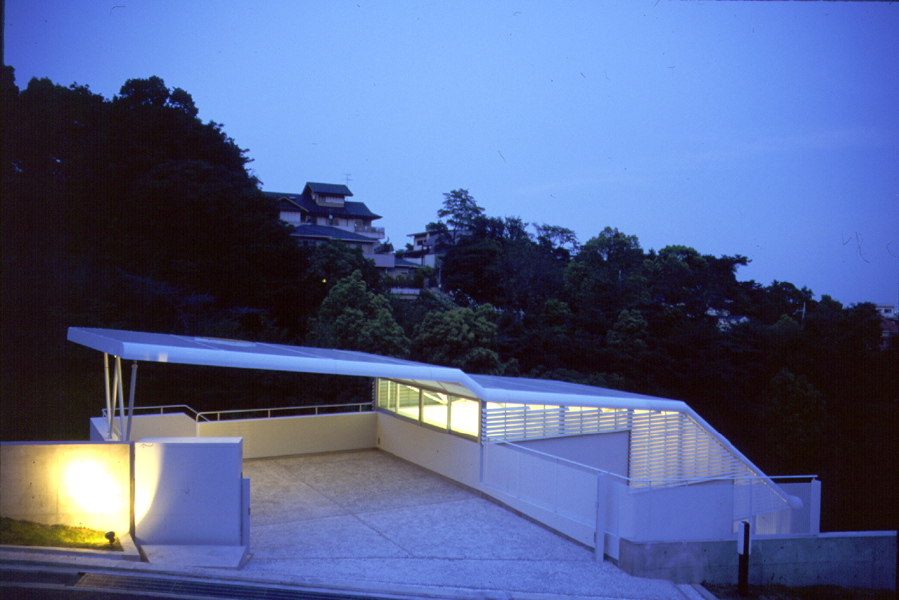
{"points": [[600, 466]]}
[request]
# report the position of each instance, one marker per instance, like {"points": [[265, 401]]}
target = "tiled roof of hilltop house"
{"points": [[330, 189], [325, 232], [295, 202]]}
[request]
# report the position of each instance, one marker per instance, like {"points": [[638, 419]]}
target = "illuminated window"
{"points": [[464, 416], [387, 396], [407, 401], [450, 413], [434, 408]]}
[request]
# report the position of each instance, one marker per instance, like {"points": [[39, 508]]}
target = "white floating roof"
{"points": [[157, 347], [215, 352]]}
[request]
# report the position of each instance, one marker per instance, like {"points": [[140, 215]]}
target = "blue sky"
{"points": [[767, 129]]}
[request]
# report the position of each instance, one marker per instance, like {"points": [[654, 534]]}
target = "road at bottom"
{"points": [[30, 582]]}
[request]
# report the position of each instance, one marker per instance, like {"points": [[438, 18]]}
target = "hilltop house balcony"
{"points": [[369, 231]]}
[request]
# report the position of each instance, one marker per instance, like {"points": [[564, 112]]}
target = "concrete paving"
{"points": [[370, 521]]}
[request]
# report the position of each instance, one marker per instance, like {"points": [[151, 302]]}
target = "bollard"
{"points": [[743, 548]]}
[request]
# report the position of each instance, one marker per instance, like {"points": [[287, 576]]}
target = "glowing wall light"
{"points": [[67, 483], [91, 488]]}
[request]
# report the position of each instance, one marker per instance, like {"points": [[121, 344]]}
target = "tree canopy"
{"points": [[353, 318]]}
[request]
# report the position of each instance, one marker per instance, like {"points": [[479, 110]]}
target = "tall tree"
{"points": [[462, 338], [354, 318], [461, 209], [127, 213]]}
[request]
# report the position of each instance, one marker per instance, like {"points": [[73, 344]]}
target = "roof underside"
{"points": [[214, 352]]}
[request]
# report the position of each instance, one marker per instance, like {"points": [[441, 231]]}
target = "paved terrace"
{"points": [[371, 522]]}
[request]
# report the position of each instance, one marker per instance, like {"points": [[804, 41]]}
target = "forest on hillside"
{"points": [[131, 213]]}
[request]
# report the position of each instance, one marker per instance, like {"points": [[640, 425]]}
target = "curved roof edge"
{"points": [[215, 352]]}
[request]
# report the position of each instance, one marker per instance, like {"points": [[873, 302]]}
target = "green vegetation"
{"points": [[25, 533], [131, 213]]}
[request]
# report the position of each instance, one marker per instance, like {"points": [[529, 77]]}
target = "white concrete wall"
{"points": [[557, 486], [449, 455], [188, 491], [98, 429], [169, 425], [79, 484], [555, 493], [568, 507], [689, 512], [603, 451], [808, 518], [285, 436]]}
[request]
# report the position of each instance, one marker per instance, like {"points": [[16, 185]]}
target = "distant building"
{"points": [[322, 213], [887, 310], [423, 250]]}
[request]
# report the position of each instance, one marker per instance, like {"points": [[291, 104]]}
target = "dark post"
{"points": [[743, 546]]}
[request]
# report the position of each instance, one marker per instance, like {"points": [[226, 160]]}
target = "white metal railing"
{"points": [[369, 229], [243, 413], [285, 411], [164, 410], [648, 483], [570, 489]]}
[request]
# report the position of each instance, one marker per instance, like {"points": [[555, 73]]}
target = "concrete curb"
{"points": [[129, 551], [83, 561]]}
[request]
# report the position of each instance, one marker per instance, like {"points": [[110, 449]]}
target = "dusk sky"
{"points": [[766, 129]]}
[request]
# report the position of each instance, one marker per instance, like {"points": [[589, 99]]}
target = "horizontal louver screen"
{"points": [[666, 447]]}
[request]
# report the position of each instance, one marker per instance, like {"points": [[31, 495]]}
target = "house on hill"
{"points": [[322, 213]]}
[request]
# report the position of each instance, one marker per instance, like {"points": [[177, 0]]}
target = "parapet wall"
{"points": [[865, 559], [285, 436]]}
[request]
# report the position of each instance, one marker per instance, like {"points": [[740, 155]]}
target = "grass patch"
{"points": [[813, 592], [25, 533]]}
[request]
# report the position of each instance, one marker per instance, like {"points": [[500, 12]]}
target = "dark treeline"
{"points": [[801, 386], [131, 213]]}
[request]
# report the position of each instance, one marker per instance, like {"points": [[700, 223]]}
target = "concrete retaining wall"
{"points": [[79, 484], [851, 559]]}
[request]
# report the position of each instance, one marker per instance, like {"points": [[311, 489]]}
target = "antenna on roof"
{"points": [[347, 177]]}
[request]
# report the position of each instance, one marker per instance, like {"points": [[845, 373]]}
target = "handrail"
{"points": [[649, 482], [162, 409], [217, 414]]}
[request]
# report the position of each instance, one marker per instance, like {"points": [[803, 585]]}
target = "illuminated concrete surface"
{"points": [[372, 521], [79, 484]]}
